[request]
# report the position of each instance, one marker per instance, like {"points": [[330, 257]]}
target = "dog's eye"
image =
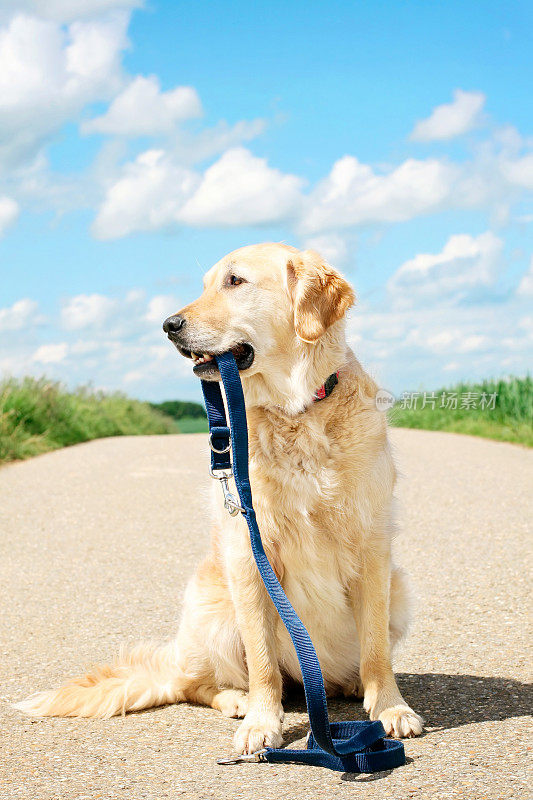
{"points": [[233, 280]]}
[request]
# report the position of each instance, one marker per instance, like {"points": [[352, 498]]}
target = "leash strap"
{"points": [[345, 746]]}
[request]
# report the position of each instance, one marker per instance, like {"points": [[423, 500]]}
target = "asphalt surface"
{"points": [[97, 542]]}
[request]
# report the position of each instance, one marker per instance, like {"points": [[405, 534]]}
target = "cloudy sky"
{"points": [[141, 142]]}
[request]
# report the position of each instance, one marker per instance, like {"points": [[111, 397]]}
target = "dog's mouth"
{"points": [[205, 364]]}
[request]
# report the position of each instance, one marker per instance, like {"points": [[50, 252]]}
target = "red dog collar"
{"points": [[326, 389]]}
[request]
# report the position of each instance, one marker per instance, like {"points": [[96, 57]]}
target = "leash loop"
{"points": [[357, 746], [219, 450]]}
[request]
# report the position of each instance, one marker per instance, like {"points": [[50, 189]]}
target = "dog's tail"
{"points": [[143, 677]]}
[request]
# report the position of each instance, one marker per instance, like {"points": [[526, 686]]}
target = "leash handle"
{"points": [[346, 746]]}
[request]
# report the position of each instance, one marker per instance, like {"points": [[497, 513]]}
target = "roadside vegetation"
{"points": [[37, 415], [500, 409], [191, 417]]}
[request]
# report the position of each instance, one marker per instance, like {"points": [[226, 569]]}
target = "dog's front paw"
{"points": [[401, 722], [231, 702], [259, 729]]}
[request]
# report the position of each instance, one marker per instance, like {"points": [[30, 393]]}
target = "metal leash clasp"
{"points": [[223, 475], [230, 502], [243, 759]]}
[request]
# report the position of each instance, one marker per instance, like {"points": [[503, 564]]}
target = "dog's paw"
{"points": [[232, 702], [401, 722], [259, 729]]}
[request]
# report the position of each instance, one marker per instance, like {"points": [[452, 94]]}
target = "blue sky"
{"points": [[139, 143]]}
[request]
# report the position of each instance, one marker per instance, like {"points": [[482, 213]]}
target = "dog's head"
{"points": [[279, 310]]}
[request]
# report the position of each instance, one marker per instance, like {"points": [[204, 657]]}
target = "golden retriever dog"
{"points": [[322, 477]]}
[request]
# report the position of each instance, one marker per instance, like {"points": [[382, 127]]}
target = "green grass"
{"points": [[180, 409], [507, 417], [193, 425], [190, 416], [40, 415]]}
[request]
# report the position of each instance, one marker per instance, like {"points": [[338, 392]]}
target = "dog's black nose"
{"points": [[173, 324]]}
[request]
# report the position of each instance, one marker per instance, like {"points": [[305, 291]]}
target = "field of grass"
{"points": [[500, 410], [40, 415], [193, 425], [190, 416]]}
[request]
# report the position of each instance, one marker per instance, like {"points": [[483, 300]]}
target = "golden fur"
{"points": [[323, 477]]}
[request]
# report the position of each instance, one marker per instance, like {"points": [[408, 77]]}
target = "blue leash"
{"points": [[344, 746]]}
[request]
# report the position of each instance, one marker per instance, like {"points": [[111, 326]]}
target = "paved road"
{"points": [[97, 542]]}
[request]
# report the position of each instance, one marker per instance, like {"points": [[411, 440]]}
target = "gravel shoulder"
{"points": [[97, 543]]}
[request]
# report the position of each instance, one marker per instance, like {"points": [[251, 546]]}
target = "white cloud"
{"points": [[128, 341], [193, 147], [452, 339], [452, 366], [84, 347], [134, 296], [160, 307], [22, 314], [353, 194], [67, 10], [472, 343], [9, 211], [147, 196], [330, 245], [465, 263], [241, 189], [518, 171], [142, 109], [525, 287], [526, 324], [440, 341], [155, 191], [49, 73], [86, 310], [409, 348], [495, 179], [51, 353], [134, 376], [116, 322], [451, 119], [57, 57]]}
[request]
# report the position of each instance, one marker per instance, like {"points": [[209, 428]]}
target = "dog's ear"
{"points": [[320, 295]]}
